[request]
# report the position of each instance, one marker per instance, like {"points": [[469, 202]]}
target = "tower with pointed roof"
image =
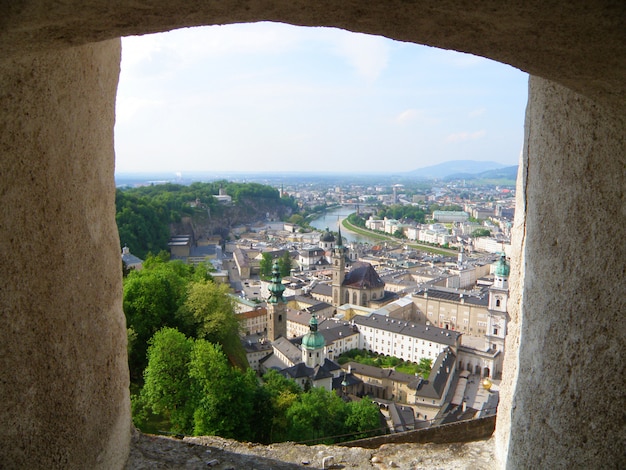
{"points": [[497, 315], [313, 344], [338, 260], [276, 313]]}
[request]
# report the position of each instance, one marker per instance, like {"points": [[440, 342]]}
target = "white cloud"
{"points": [[464, 136]]}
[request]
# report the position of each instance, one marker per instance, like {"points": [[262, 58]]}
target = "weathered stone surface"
{"points": [[64, 384], [151, 452], [62, 345], [580, 44], [566, 388]]}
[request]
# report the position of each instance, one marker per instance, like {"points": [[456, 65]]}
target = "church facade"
{"points": [[359, 286]]}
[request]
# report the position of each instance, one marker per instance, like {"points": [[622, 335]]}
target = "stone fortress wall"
{"points": [[63, 342]]}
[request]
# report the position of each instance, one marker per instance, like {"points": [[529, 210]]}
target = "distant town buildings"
{"points": [[388, 299]]}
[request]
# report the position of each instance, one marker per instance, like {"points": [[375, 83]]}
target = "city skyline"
{"points": [[270, 97]]}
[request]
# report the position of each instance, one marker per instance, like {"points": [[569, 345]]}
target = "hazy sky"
{"points": [[273, 97]]}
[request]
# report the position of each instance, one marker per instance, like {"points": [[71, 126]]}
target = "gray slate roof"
{"points": [[441, 370], [402, 327], [323, 289], [481, 299]]}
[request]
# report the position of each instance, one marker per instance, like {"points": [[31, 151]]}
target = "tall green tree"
{"points": [[152, 297], [265, 266], [167, 384], [363, 418], [281, 393], [285, 264], [211, 310], [226, 404], [317, 414]]}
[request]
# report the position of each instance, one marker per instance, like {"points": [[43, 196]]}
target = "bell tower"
{"points": [[497, 314], [339, 271], [276, 312]]}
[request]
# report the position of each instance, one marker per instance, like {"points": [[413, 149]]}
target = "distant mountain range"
{"points": [[468, 169]]}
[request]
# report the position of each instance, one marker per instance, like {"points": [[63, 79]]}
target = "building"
{"points": [[360, 285], [571, 172], [450, 216], [131, 261], [253, 321], [276, 306], [409, 341], [312, 258]]}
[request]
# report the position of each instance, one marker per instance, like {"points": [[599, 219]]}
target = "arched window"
{"points": [[280, 318], [363, 298], [347, 296], [354, 298], [497, 302]]}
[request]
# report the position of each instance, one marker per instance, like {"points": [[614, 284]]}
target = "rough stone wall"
{"points": [[64, 383], [463, 431], [565, 389], [578, 43], [62, 345]]}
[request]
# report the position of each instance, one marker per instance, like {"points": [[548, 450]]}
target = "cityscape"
{"points": [[434, 291]]}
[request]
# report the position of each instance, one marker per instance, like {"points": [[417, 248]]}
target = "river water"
{"points": [[331, 221]]}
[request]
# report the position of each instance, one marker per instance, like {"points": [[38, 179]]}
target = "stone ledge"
{"points": [[156, 452]]}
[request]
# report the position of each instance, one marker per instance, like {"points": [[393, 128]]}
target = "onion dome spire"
{"points": [[503, 268], [276, 287]]}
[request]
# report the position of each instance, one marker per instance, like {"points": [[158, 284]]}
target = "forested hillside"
{"points": [[147, 216]]}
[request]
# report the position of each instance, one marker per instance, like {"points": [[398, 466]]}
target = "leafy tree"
{"points": [[152, 298], [296, 219], [276, 384], [167, 387], [226, 403], [265, 266], [317, 414], [211, 310], [481, 232], [363, 418], [356, 220], [142, 226], [424, 366], [399, 234], [285, 264], [280, 393]]}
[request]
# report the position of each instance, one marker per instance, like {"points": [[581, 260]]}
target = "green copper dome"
{"points": [[276, 287], [313, 339], [503, 269]]}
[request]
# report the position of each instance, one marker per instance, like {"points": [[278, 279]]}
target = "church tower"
{"points": [[276, 307], [498, 297], [339, 271], [313, 344]]}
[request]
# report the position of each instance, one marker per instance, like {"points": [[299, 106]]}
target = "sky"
{"points": [[270, 97]]}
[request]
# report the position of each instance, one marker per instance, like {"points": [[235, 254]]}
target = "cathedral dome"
{"points": [[313, 339], [327, 237], [503, 269]]}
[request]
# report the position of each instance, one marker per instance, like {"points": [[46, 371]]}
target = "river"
{"points": [[331, 221]]}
